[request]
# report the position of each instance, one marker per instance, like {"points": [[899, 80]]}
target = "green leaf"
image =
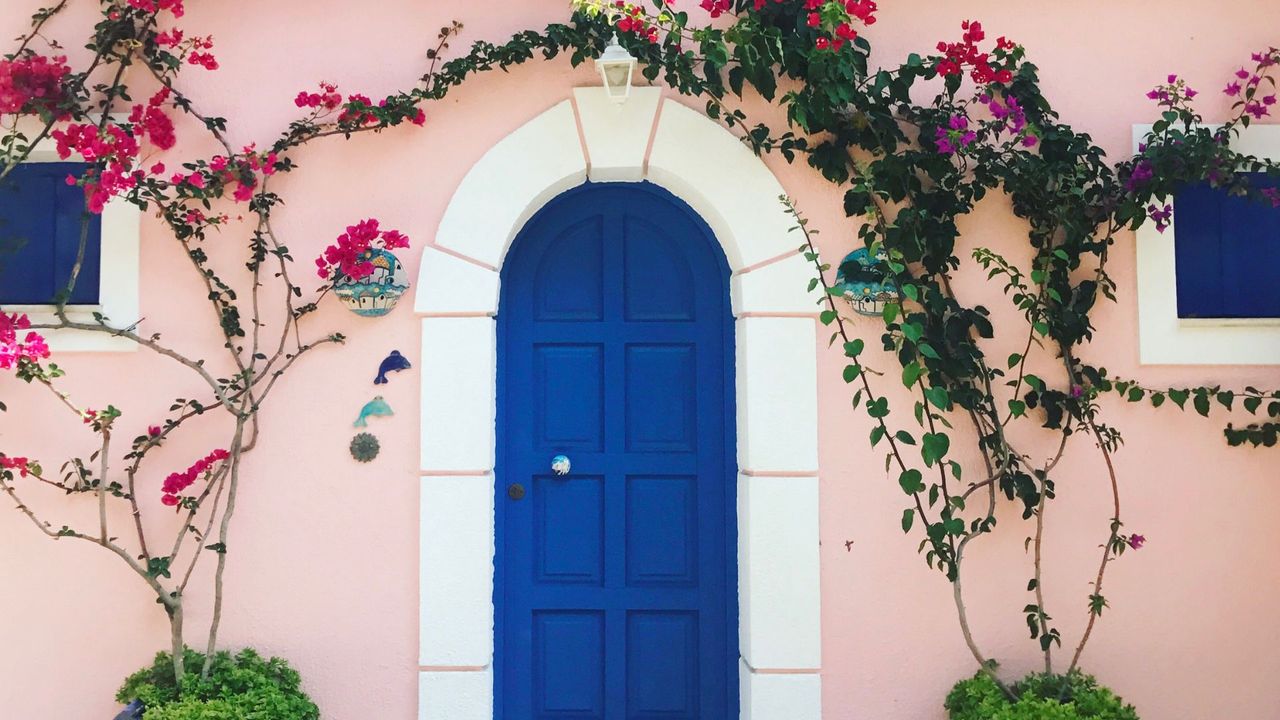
{"points": [[905, 437], [1201, 403], [934, 447], [878, 408], [908, 517], [911, 481], [913, 332], [1017, 407], [877, 434], [890, 312], [854, 348], [1014, 359], [938, 396], [911, 373], [851, 372]]}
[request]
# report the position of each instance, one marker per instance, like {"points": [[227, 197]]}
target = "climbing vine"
{"points": [[910, 170], [260, 313]]}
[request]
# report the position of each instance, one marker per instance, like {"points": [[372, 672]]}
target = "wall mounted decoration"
{"points": [[377, 294], [863, 284], [365, 447], [560, 465], [376, 407], [395, 362]]}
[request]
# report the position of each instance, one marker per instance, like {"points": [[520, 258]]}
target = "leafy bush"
{"points": [[243, 687], [1040, 697]]}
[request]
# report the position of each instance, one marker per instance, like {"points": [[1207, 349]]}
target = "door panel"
{"points": [[616, 589]]}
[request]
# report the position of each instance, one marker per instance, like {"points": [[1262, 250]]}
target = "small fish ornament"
{"points": [[395, 362], [376, 407]]}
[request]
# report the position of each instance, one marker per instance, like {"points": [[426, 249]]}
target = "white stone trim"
{"points": [[725, 182], [704, 164], [456, 578], [118, 294], [510, 183], [460, 287], [456, 695], [459, 358], [617, 134], [1164, 338], [780, 288], [780, 696], [777, 406], [778, 573]]}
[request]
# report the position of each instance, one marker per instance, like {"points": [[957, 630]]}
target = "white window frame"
{"points": [[119, 272], [1166, 339]]}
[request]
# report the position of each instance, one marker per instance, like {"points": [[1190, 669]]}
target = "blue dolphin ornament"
{"points": [[395, 362]]}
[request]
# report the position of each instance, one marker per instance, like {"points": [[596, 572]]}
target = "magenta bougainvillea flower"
{"points": [[13, 351], [1136, 541], [350, 255], [177, 482]]}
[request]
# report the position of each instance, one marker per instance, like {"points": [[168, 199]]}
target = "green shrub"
{"points": [[243, 687], [1040, 697]]}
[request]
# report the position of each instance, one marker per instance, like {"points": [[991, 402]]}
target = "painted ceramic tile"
{"points": [[377, 294], [863, 285]]}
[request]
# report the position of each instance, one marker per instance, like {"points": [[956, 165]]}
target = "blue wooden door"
{"points": [[616, 589]]}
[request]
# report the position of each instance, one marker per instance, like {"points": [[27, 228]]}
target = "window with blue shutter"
{"points": [[40, 226], [1227, 253]]}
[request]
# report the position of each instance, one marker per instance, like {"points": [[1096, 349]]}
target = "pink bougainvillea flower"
{"points": [[21, 464], [32, 83], [177, 482], [1137, 541], [14, 351], [350, 255], [154, 431], [1160, 215]]}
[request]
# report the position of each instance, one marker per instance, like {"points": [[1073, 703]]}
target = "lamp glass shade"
{"points": [[616, 67]]}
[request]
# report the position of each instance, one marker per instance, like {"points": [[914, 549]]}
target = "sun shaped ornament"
{"points": [[365, 447]]}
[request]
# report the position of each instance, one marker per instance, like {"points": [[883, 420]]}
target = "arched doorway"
{"points": [[616, 592], [678, 149]]}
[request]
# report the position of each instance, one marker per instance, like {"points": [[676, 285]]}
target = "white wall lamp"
{"points": [[616, 66]]}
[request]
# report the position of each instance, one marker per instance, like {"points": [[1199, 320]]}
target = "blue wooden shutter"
{"points": [[40, 224], [1227, 253]]}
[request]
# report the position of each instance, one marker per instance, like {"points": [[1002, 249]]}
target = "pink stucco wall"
{"points": [[324, 560]]}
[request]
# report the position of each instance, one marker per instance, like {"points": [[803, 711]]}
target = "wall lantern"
{"points": [[616, 66]]}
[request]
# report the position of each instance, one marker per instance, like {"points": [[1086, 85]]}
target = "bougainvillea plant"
{"points": [[915, 147], [87, 114]]}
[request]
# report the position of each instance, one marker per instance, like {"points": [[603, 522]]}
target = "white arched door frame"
{"points": [[661, 141]]}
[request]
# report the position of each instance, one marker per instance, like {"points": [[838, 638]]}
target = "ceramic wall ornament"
{"points": [[560, 465], [365, 447], [395, 362], [376, 407], [377, 294], [863, 284]]}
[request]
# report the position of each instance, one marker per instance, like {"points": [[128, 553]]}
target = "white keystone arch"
{"points": [[664, 142]]}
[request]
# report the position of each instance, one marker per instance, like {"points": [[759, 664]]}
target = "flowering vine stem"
{"points": [[48, 102], [911, 168]]}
